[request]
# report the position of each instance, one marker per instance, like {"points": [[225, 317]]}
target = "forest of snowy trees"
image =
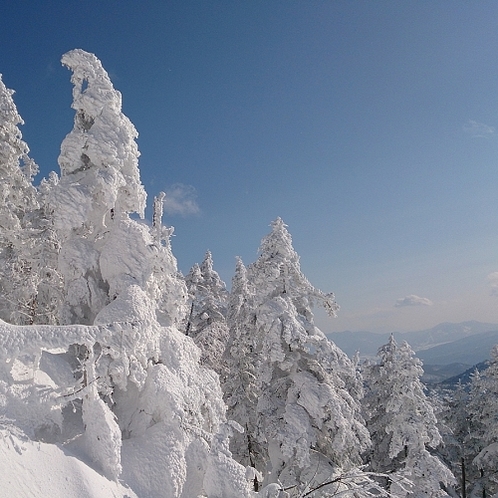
{"points": [[178, 387]]}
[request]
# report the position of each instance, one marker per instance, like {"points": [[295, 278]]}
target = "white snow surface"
{"points": [[35, 470]]}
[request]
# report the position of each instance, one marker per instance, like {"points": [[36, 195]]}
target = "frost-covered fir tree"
{"points": [[99, 185], [463, 439], [483, 415], [24, 269], [46, 250], [307, 423], [402, 425], [240, 379], [206, 320], [456, 422], [17, 169]]}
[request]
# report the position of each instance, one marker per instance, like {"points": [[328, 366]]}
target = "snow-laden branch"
{"points": [[19, 339], [122, 341]]}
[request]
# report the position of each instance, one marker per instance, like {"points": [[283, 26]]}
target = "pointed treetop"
{"points": [[278, 243], [239, 279], [194, 274], [13, 150], [239, 265], [207, 264], [240, 289], [278, 271]]}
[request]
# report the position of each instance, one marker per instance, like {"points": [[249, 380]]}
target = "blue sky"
{"points": [[369, 127]]}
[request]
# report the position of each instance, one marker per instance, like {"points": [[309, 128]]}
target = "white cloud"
{"points": [[181, 199], [478, 130], [413, 300], [493, 280]]}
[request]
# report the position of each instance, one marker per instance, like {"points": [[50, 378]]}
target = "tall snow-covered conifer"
{"points": [[483, 415], [19, 264], [402, 425], [304, 415], [463, 438], [240, 380], [17, 169], [99, 184]]}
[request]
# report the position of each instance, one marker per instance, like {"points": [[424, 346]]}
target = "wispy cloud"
{"points": [[413, 300], [493, 280], [181, 200], [478, 130]]}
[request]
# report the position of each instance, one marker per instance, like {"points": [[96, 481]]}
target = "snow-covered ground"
{"points": [[36, 469]]}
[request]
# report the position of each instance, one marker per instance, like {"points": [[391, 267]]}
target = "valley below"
{"points": [[448, 351]]}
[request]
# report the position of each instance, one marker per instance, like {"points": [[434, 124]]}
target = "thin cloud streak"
{"points": [[413, 300], [478, 130]]}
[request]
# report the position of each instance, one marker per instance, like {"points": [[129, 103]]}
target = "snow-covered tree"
{"points": [[483, 415], [304, 414], [277, 272], [17, 169], [465, 435], [455, 429], [206, 320], [47, 245], [99, 184], [17, 200], [402, 425], [29, 280], [240, 379]]}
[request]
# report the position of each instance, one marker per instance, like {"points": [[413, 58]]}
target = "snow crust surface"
{"points": [[36, 469]]}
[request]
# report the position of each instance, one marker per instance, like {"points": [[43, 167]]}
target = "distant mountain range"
{"points": [[446, 350]]}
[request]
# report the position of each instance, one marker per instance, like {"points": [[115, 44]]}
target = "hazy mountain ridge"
{"points": [[448, 350], [468, 350]]}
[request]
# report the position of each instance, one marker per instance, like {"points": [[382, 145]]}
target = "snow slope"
{"points": [[36, 469]]}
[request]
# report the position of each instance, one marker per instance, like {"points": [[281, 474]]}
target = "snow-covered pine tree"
{"points": [[463, 439], [240, 379], [46, 251], [99, 184], [402, 425], [307, 424], [206, 320], [22, 265], [193, 280], [454, 415], [17, 169], [483, 408]]}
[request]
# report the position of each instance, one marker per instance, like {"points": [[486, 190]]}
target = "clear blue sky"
{"points": [[369, 127]]}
